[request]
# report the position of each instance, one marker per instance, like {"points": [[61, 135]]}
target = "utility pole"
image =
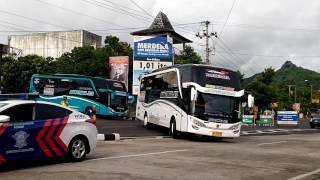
{"points": [[289, 95], [295, 93], [205, 34]]}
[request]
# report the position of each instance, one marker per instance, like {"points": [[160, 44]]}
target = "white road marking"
{"points": [[261, 144], [138, 155], [301, 176], [244, 132]]}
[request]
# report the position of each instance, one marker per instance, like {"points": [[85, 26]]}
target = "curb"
{"points": [[108, 137]]}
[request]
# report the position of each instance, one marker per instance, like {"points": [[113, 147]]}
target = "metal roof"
{"points": [[161, 26]]}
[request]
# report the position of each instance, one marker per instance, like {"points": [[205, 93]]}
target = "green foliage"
{"points": [[16, 73], [85, 60], [188, 56], [262, 89], [290, 74]]}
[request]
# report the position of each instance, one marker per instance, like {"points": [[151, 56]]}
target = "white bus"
{"points": [[198, 99]]}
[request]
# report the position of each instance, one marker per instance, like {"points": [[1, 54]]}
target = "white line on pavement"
{"points": [[137, 155], [301, 176], [261, 144]]}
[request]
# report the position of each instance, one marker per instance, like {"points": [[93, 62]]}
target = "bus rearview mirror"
{"points": [[194, 94]]}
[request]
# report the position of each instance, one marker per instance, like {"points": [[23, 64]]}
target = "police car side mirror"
{"points": [[4, 119]]}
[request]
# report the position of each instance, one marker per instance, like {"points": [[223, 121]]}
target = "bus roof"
{"points": [[182, 66], [206, 75], [74, 76], [98, 81]]}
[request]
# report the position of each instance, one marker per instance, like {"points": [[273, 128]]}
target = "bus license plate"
{"points": [[217, 134]]}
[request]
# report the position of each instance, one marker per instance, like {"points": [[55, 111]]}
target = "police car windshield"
{"points": [[2, 105]]}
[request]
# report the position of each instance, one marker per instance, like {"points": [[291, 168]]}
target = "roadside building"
{"points": [[53, 44]]}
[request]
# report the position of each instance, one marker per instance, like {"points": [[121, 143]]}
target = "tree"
{"points": [[85, 60], [188, 56], [262, 88], [94, 62], [17, 72]]}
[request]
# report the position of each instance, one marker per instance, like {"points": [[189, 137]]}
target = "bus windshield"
{"points": [[223, 108]]}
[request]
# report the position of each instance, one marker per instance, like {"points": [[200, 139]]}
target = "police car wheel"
{"points": [[77, 149]]}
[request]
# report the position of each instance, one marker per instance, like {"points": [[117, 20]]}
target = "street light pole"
{"points": [[295, 94], [310, 90], [311, 93]]}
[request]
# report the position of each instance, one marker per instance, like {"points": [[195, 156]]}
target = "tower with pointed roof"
{"points": [[161, 25], [153, 48]]}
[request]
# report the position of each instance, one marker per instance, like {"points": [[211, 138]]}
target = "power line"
{"points": [[116, 9], [79, 13], [206, 34], [278, 56], [96, 30], [137, 5], [125, 9], [225, 47], [221, 31], [229, 64], [119, 5], [32, 19]]}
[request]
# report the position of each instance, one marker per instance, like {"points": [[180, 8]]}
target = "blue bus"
{"points": [[82, 93]]}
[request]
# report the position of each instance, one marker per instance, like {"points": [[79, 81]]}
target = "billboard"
{"points": [[150, 53], [287, 117], [119, 68]]}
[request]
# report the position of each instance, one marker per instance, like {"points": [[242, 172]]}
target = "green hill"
{"points": [[290, 74]]}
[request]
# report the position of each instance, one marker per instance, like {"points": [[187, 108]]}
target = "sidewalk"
{"points": [[303, 124]]}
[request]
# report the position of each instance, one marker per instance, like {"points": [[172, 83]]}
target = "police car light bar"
{"points": [[19, 96]]}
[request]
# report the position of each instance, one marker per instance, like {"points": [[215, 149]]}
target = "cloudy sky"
{"points": [[253, 34]]}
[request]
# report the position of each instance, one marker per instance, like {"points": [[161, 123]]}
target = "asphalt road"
{"points": [[249, 158], [135, 128]]}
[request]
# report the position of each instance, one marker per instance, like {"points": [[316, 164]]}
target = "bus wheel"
{"points": [[145, 122], [89, 111], [173, 131]]}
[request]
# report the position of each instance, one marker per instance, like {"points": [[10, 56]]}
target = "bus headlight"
{"points": [[234, 127], [112, 110], [198, 123]]}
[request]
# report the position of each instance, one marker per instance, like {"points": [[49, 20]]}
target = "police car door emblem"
{"points": [[21, 139]]}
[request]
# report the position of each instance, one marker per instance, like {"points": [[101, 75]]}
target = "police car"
{"points": [[32, 129]]}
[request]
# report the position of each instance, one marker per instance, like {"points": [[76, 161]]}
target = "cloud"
{"points": [[266, 28]]}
